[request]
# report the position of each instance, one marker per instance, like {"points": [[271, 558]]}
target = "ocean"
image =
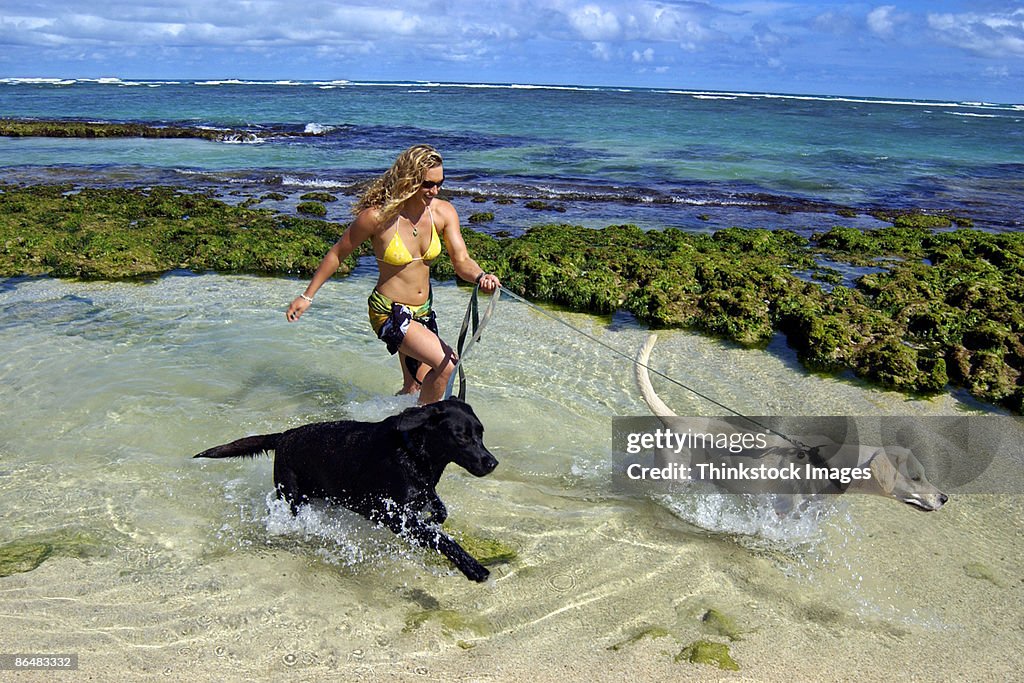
{"points": [[155, 565], [595, 156]]}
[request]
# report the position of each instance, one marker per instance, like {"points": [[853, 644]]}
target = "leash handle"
{"points": [[463, 347], [472, 312]]}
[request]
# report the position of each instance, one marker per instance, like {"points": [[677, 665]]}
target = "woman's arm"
{"points": [[464, 265], [358, 232]]}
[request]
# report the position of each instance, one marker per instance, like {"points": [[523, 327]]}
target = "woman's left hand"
{"points": [[489, 282]]}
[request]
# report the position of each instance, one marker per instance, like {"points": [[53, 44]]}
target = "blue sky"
{"points": [[941, 49]]}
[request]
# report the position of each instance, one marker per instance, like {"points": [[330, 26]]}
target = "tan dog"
{"points": [[895, 472]]}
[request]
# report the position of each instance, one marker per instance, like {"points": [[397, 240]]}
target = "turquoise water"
{"points": [[169, 565], [659, 158]]}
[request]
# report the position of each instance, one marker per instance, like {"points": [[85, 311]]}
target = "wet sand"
{"points": [[164, 567]]}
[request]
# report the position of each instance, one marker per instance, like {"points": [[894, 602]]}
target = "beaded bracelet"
{"points": [[307, 298]]}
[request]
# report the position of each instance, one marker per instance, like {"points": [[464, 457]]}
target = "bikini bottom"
{"points": [[390, 320]]}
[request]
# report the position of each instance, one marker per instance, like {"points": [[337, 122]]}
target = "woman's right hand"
{"points": [[298, 307]]}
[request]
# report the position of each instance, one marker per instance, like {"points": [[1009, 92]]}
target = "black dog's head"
{"points": [[449, 429]]}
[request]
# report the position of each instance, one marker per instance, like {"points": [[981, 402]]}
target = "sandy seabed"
{"points": [[570, 607], [173, 569]]}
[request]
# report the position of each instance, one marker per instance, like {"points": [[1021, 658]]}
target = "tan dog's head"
{"points": [[900, 475]]}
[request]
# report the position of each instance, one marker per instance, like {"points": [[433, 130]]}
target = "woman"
{"points": [[405, 222]]}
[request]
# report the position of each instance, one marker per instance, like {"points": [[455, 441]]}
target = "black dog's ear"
{"points": [[416, 417]]}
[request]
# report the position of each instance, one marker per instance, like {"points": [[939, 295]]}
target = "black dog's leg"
{"points": [[420, 532], [288, 490], [429, 501]]}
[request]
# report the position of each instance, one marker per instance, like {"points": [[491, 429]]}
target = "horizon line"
{"points": [[342, 82]]}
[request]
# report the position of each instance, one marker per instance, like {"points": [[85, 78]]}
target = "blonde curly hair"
{"points": [[400, 182]]}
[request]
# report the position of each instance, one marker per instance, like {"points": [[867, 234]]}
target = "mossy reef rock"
{"points": [[29, 553], [933, 307], [122, 233], [708, 652], [77, 128]]}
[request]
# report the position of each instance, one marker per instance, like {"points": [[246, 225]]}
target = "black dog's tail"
{"points": [[248, 447]]}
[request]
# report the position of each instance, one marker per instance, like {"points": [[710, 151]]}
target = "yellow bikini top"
{"points": [[397, 254]]}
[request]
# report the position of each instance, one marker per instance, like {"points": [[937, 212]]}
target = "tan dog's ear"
{"points": [[883, 471]]}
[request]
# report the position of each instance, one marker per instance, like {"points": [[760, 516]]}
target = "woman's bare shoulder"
{"points": [[371, 219], [368, 222], [371, 215], [445, 211]]}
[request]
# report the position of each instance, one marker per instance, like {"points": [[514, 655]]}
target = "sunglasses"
{"points": [[431, 184]]}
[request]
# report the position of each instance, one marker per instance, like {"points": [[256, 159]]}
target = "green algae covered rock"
{"points": [[75, 128], [487, 551], [126, 233], [979, 570], [29, 553], [920, 219], [90, 129], [708, 652], [932, 308], [312, 208], [318, 197], [451, 622], [23, 556], [721, 624]]}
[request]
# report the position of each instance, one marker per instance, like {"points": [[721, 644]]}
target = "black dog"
{"points": [[386, 471]]}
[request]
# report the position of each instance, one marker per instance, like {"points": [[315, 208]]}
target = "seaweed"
{"points": [[312, 208], [638, 635], [487, 551], [708, 652], [940, 307], [718, 623], [28, 554], [325, 197], [76, 128], [132, 233]]}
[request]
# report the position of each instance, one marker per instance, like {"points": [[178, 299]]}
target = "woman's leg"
{"points": [[410, 384], [426, 347]]}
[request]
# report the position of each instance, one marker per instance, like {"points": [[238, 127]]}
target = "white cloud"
{"points": [[769, 42], [233, 23], [372, 20], [882, 20], [647, 56], [594, 23], [731, 40], [834, 22], [26, 23], [992, 35], [685, 25], [602, 51], [403, 26]]}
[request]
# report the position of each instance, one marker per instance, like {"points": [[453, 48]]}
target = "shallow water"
{"points": [[164, 564]]}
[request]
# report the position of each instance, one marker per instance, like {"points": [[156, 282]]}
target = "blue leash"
{"points": [[471, 319]]}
